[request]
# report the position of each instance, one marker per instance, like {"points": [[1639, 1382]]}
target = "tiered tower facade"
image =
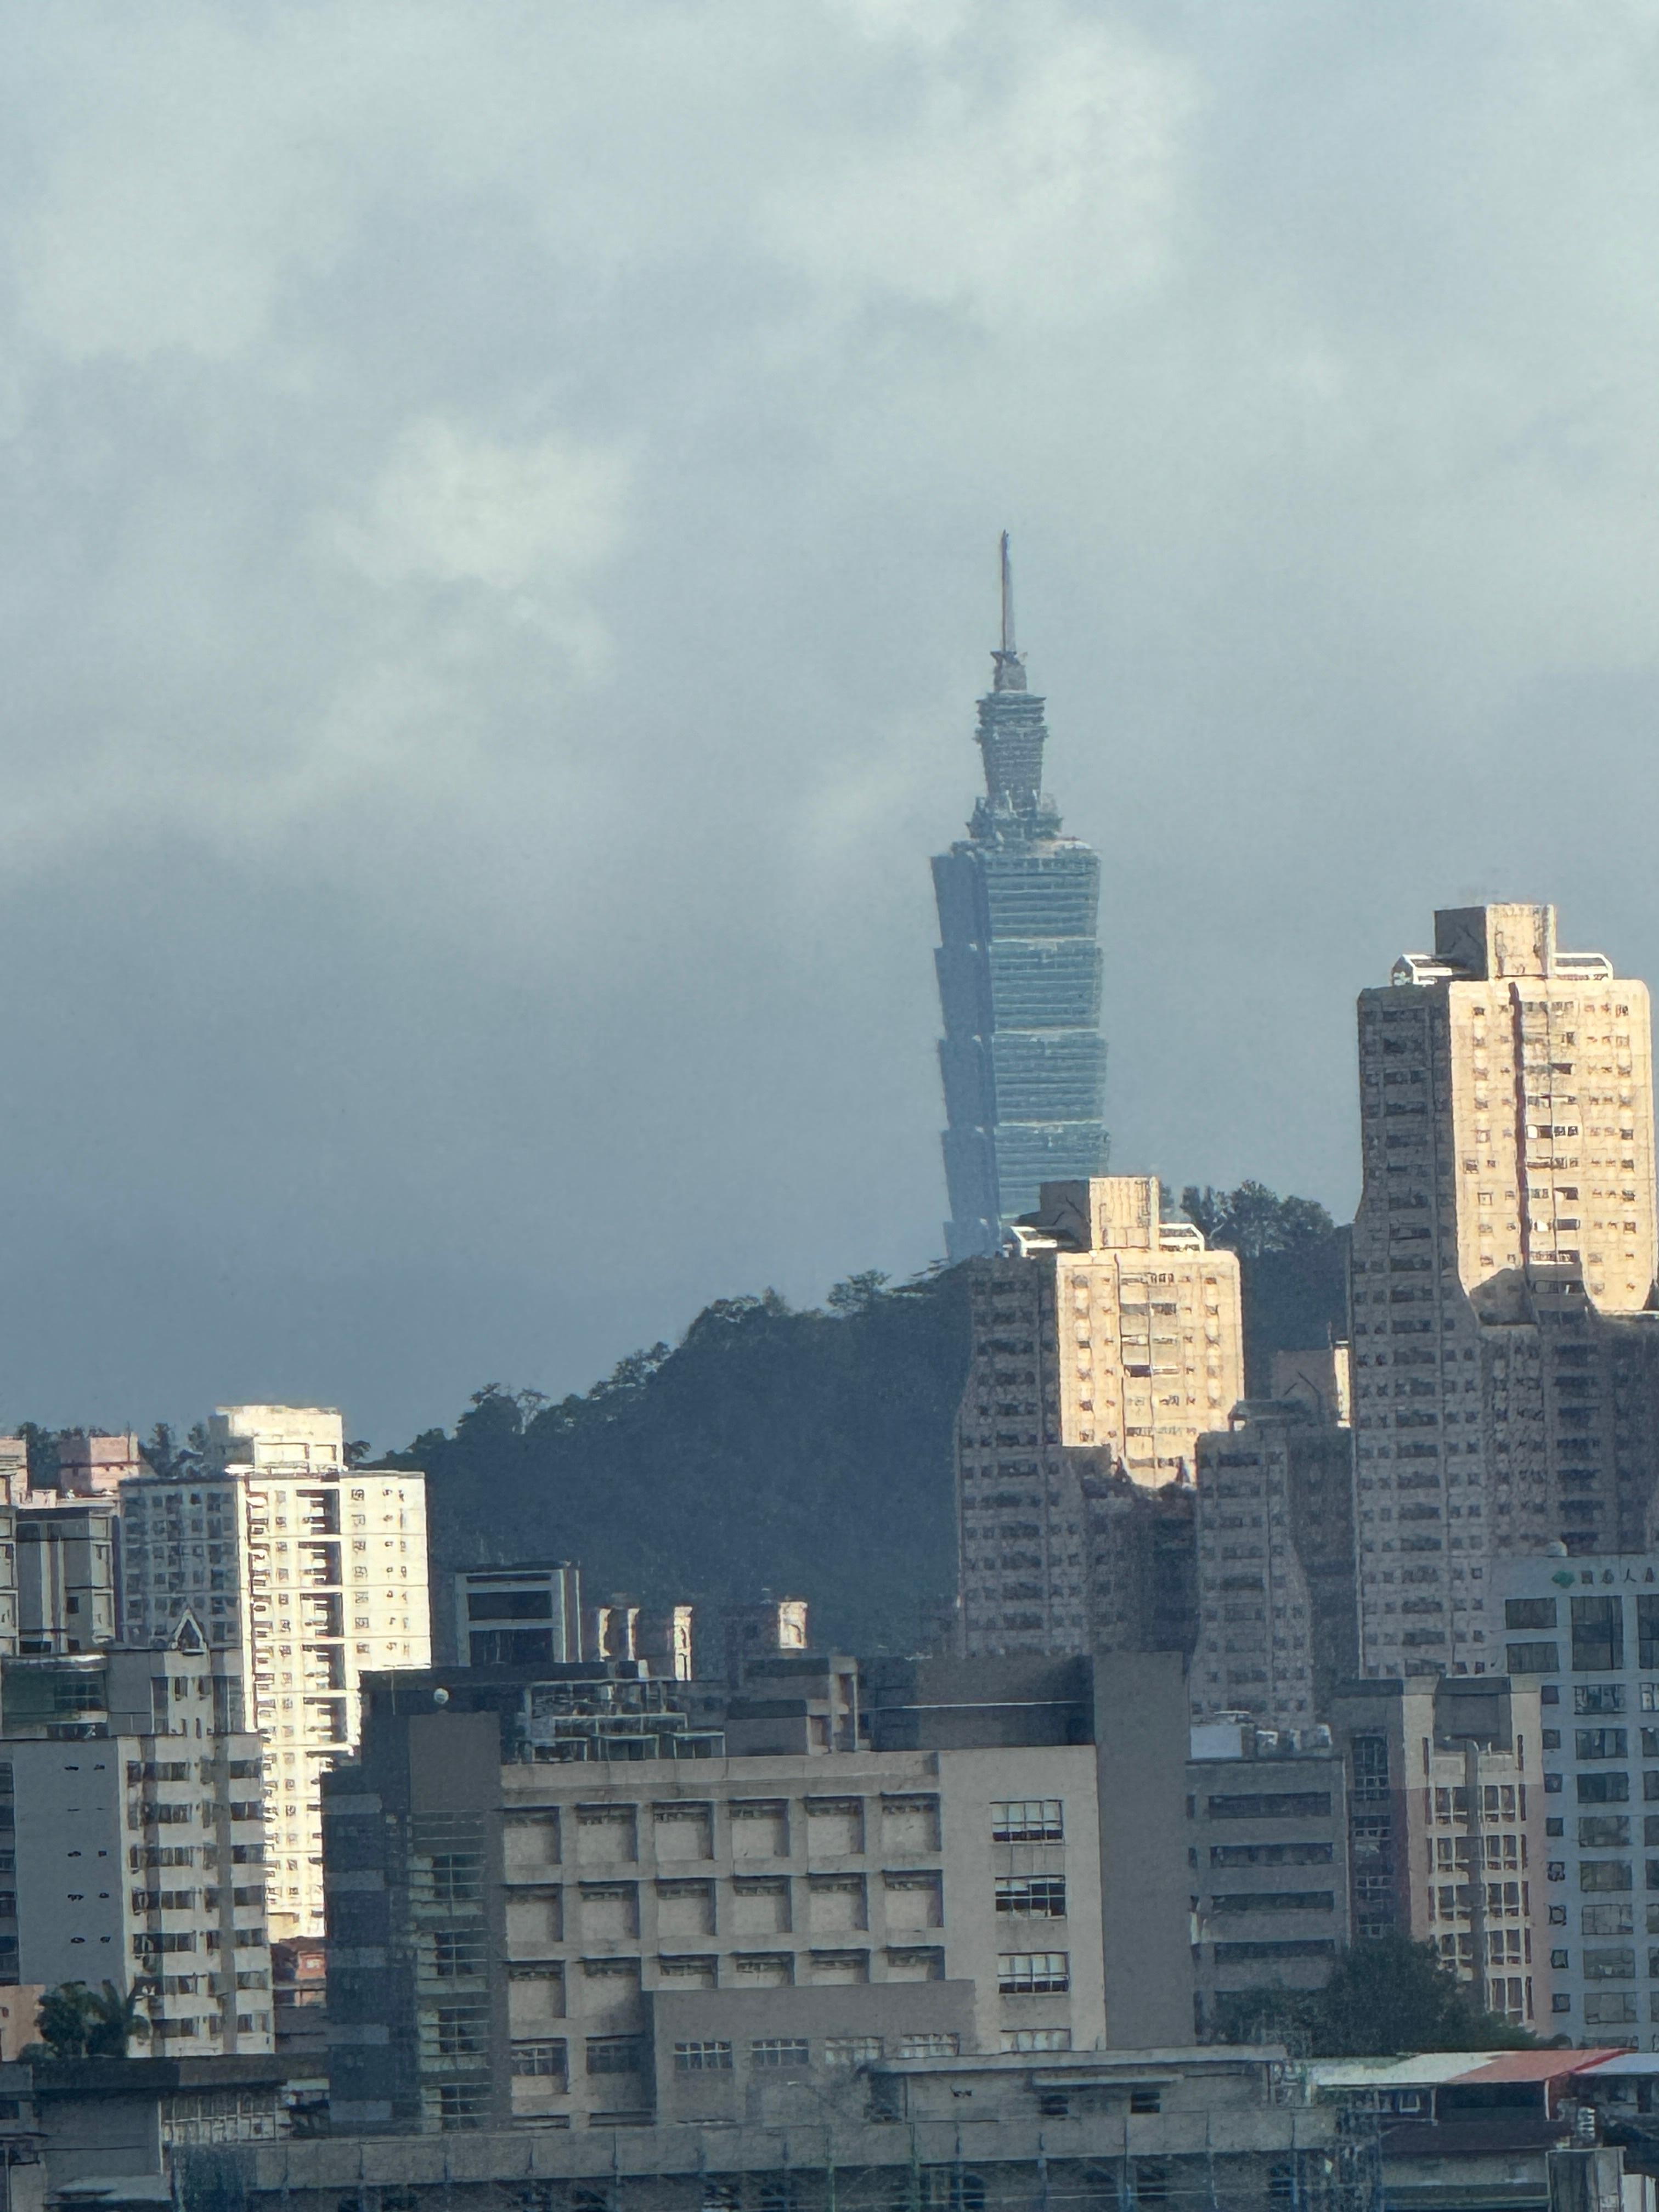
{"points": [[1506, 1364], [1022, 1057]]}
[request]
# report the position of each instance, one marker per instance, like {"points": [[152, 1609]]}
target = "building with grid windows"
{"points": [[306, 1574], [1586, 1631], [1445, 1784], [1506, 1372], [1019, 973], [565, 1902], [1101, 1351], [131, 1815]]}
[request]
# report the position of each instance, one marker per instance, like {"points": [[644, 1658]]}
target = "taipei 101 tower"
{"points": [[1023, 1056]]}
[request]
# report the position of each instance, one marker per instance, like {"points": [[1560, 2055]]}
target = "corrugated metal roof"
{"points": [[1412, 2071], [1627, 2061], [1535, 2065]]}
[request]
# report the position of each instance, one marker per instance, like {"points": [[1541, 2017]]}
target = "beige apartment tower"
{"points": [[1103, 1347], [306, 1574], [1505, 1377]]}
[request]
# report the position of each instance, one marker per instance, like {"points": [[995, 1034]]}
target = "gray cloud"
{"points": [[498, 517]]}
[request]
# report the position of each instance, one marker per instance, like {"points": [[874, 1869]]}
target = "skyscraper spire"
{"points": [[1010, 676]]}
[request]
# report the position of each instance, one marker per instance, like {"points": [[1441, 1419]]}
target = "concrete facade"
{"points": [[306, 1574], [1278, 1615], [500, 1931], [1099, 1355], [1267, 1817], [136, 1842], [1446, 1842], [1585, 1630], [68, 1572], [1506, 1378]]}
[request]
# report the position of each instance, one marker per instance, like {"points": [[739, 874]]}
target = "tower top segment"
{"points": [[1010, 669]]}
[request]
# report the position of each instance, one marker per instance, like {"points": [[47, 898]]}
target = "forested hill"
{"points": [[806, 1453]]}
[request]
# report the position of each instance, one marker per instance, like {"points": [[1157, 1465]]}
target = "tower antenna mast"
{"points": [[1007, 598]]}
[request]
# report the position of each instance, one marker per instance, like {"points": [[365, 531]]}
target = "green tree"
{"points": [[1253, 1220], [76, 2022], [858, 1293], [1385, 1996]]}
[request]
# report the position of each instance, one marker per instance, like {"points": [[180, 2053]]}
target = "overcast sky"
{"points": [[500, 509]]}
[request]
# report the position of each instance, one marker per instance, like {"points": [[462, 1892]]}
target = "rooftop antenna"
{"points": [[1009, 676]]}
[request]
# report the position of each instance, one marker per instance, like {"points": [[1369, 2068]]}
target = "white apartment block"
{"points": [[1504, 1250], [1101, 1351], [307, 1574], [138, 1840], [1588, 1630]]}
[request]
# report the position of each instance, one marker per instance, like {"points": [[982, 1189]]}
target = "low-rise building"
{"points": [[524, 1615], [952, 1823]]}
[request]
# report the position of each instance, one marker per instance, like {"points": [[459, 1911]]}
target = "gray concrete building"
{"points": [[67, 1572], [528, 1614], [130, 1805], [1268, 1820], [1585, 1632], [1446, 1839], [1278, 1610], [517, 1888]]}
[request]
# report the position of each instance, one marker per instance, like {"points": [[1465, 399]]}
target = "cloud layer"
{"points": [[499, 518]]}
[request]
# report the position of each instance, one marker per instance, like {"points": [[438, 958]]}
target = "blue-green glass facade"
{"points": [[1020, 977]]}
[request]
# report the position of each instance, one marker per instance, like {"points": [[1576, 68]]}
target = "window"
{"points": [[1533, 1658], [1611, 1788], [1606, 1874], [1033, 1974], [539, 2061], [1529, 1613], [1609, 2007], [461, 2105], [618, 2054], [1604, 1831], [779, 2050], [456, 1954], [1598, 1697], [462, 2031], [927, 2046], [1040, 1896], [1146, 2100], [1602, 1743], [1598, 1635], [689, 2058], [457, 1878], [852, 2050], [1611, 1966], [1028, 1820], [1647, 1630], [1037, 2038]]}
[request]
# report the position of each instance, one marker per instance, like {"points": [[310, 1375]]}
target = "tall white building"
{"points": [[307, 1574], [1506, 1373], [138, 1844]]}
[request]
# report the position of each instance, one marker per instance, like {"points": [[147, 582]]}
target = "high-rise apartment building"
{"points": [[1446, 1794], [1506, 1377], [1278, 1620], [1100, 1353], [129, 1794], [307, 1574], [1019, 971]]}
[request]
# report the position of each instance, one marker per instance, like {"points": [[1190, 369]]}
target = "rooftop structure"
{"points": [[1019, 973]]}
